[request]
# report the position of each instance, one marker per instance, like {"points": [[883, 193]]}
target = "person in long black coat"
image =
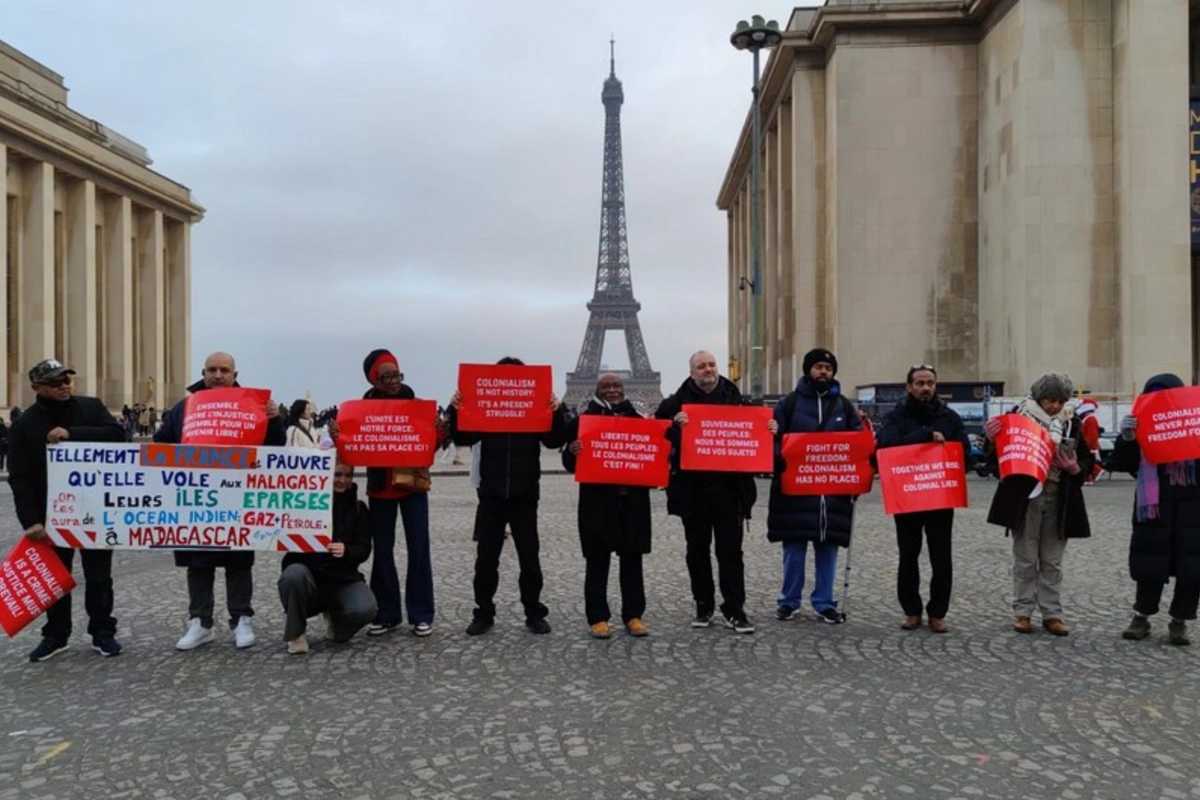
{"points": [[220, 371], [612, 519], [1165, 542]]}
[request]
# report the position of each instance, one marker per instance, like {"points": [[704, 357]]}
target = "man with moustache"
{"points": [[920, 418], [612, 519], [220, 371], [712, 505], [57, 415]]}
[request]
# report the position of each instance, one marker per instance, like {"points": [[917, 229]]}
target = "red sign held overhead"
{"points": [[1023, 447], [387, 433], [505, 398], [922, 477], [227, 415], [32, 578], [1169, 424], [719, 438], [623, 450], [827, 463]]}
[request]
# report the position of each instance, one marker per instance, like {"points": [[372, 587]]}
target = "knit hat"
{"points": [[816, 356], [374, 363], [1053, 386]]}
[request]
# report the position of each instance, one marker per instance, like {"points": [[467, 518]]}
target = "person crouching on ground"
{"points": [[330, 583]]}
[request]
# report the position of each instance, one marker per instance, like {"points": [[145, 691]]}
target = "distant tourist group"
{"points": [[713, 506]]}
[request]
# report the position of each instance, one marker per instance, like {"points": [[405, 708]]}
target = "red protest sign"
{"points": [[505, 398], [1169, 424], [227, 415], [922, 477], [387, 433], [827, 463], [719, 438], [623, 450], [32, 578], [1023, 447]]}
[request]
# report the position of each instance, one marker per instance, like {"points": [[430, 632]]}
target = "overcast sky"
{"points": [[419, 176]]}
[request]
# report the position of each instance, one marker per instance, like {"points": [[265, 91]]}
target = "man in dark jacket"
{"points": [[58, 416], [510, 472], [330, 583], [220, 370], [390, 498], [922, 417], [712, 505], [816, 405], [612, 519], [1166, 530]]}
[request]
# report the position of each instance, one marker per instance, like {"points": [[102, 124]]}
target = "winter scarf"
{"points": [[1054, 425]]}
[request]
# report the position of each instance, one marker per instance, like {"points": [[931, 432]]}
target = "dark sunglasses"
{"points": [[56, 383]]}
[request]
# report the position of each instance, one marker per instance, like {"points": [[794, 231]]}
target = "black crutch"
{"points": [[845, 601]]}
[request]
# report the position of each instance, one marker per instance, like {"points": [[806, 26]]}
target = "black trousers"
{"points": [[934, 527], [349, 605], [1183, 604], [715, 520], [520, 516], [239, 591], [595, 588], [97, 596]]}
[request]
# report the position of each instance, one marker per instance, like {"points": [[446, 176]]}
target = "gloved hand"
{"points": [[1128, 427], [1066, 460], [991, 427]]}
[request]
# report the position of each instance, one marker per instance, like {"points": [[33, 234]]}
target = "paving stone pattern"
{"points": [[800, 709]]}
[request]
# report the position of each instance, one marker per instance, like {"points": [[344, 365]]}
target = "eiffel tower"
{"points": [[613, 307]]}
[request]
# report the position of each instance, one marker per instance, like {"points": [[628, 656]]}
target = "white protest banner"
{"points": [[179, 496]]}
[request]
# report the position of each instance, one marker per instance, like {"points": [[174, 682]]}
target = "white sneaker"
{"points": [[243, 634], [196, 635], [297, 646]]}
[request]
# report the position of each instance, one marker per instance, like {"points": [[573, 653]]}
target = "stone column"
{"points": [[80, 350], [178, 311], [150, 287], [11, 368], [36, 275], [117, 381]]}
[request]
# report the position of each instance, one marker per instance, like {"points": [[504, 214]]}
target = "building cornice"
{"points": [[812, 37]]}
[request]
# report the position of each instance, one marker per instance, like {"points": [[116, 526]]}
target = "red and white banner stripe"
{"points": [[302, 543], [75, 538]]}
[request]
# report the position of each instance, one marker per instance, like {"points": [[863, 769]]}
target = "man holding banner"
{"points": [[220, 372], [1041, 515], [817, 405], [1166, 516], [713, 505], [612, 519], [510, 472], [57, 415], [922, 417]]}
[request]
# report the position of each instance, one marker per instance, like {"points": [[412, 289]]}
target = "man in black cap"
{"points": [[58, 416], [816, 405]]}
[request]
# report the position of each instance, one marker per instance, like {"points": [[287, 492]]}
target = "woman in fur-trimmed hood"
{"points": [[1041, 521]]}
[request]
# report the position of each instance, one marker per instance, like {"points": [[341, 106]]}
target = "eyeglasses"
{"points": [[388, 377], [918, 367]]}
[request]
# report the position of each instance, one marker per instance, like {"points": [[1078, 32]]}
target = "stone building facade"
{"points": [[97, 250], [995, 187]]}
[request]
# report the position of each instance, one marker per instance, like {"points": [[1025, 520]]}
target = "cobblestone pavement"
{"points": [[798, 710]]}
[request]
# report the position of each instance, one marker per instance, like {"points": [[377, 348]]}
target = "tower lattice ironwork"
{"points": [[613, 306]]}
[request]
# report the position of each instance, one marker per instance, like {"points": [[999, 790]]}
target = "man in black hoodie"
{"points": [[58, 416], [510, 472], [713, 505], [919, 418], [330, 583]]}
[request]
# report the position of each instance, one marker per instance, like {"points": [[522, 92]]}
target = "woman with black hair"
{"points": [[301, 432]]}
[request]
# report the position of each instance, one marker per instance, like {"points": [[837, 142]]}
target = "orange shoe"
{"points": [[1023, 625], [601, 630], [635, 627], [1056, 626]]}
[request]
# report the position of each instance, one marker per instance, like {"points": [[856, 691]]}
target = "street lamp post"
{"points": [[754, 36]]}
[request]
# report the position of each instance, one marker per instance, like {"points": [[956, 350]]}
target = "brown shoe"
{"points": [[911, 623], [1023, 625], [938, 625], [1056, 626]]}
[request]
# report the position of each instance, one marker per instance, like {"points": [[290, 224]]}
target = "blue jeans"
{"points": [[825, 566], [418, 579]]}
